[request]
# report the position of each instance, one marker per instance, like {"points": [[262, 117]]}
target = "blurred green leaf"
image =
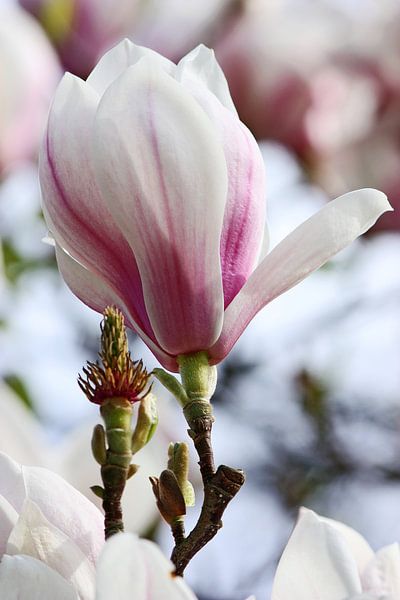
{"points": [[15, 264], [17, 385]]}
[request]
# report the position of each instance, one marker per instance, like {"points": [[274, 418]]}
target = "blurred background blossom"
{"points": [[309, 400]]}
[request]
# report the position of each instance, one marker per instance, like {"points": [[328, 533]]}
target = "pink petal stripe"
{"points": [[95, 292], [167, 179], [244, 219], [303, 251], [74, 208]]}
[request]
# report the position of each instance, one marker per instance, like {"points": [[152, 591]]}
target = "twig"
{"points": [[220, 486]]}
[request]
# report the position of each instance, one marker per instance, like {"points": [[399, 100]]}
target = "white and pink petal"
{"points": [[165, 183], [73, 206], [244, 218], [93, 291], [303, 251]]}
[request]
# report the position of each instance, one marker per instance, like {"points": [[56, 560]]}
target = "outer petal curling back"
{"points": [[303, 251], [169, 197]]}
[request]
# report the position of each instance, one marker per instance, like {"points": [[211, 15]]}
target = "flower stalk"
{"points": [[220, 485], [116, 384]]}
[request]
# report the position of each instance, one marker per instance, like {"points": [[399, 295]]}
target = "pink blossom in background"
{"points": [[326, 559], [82, 30], [289, 82], [155, 194], [29, 74]]}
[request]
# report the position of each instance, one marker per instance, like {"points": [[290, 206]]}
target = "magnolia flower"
{"points": [[29, 73], [50, 536], [155, 194], [326, 559]]}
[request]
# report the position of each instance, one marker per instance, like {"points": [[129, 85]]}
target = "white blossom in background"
{"points": [[24, 438], [130, 568], [326, 559], [50, 536], [50, 543]]}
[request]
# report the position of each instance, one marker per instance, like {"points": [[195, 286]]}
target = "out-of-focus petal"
{"points": [[202, 64], [66, 508], [74, 208], [315, 564], [166, 183], [132, 568], [382, 575], [244, 218], [303, 251], [33, 535], [25, 578], [12, 485], [359, 547], [119, 58], [8, 518], [96, 293], [367, 597], [62, 505], [20, 433]]}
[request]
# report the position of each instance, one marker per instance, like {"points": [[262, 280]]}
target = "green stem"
{"points": [[117, 414]]}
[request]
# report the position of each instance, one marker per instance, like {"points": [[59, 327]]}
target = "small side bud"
{"points": [[99, 445], [132, 469], [146, 424], [98, 491], [172, 385], [178, 462], [170, 500]]}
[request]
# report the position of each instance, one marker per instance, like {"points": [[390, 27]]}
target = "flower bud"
{"points": [[146, 423], [99, 445], [178, 462], [170, 500]]}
